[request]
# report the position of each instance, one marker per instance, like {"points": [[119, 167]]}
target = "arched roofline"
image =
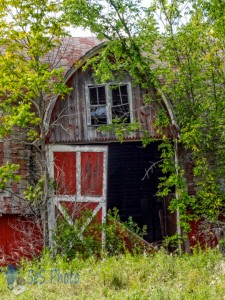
{"points": [[80, 62], [77, 65]]}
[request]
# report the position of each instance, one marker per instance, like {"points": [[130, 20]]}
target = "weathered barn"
{"points": [[92, 168]]}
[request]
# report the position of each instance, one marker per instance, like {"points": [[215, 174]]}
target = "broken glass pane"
{"points": [[101, 95], [122, 112], [93, 96], [97, 95], [119, 95], [98, 115]]}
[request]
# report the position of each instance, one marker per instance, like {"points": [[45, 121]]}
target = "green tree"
{"points": [[181, 42], [194, 79], [29, 80]]}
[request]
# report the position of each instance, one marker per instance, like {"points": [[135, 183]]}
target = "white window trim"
{"points": [[108, 101]]}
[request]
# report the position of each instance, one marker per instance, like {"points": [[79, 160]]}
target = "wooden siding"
{"points": [[68, 122], [19, 237]]}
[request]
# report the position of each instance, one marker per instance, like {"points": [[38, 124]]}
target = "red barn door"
{"points": [[80, 173]]}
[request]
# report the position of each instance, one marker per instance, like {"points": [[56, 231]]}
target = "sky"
{"points": [[79, 32]]}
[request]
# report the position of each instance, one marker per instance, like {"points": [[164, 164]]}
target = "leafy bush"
{"points": [[122, 236], [171, 243], [74, 240], [78, 240]]}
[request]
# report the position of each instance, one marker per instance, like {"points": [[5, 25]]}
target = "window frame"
{"points": [[109, 104]]}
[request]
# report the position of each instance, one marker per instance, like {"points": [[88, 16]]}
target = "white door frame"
{"points": [[78, 198]]}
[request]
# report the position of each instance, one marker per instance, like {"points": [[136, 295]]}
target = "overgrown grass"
{"points": [[157, 276]]}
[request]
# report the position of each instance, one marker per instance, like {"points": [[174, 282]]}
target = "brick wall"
{"points": [[14, 151]]}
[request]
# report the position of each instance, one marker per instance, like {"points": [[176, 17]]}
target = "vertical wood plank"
{"points": [[91, 174], [65, 172]]}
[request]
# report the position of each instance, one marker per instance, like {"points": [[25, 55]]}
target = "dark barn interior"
{"points": [[129, 192]]}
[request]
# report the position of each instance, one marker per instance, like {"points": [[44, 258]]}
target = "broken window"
{"points": [[120, 103], [107, 102], [98, 105]]}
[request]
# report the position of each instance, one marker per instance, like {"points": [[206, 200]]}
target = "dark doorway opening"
{"points": [[127, 190]]}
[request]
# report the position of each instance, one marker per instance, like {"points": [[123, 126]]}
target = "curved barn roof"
{"points": [[71, 51]]}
